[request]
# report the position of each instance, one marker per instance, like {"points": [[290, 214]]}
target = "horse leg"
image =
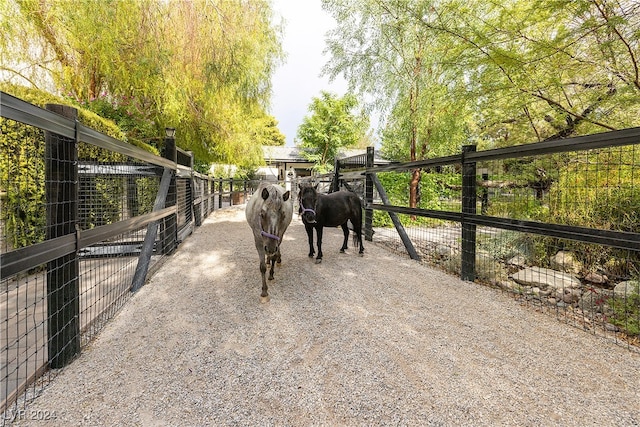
{"points": [[272, 263], [309, 229], [264, 296], [357, 227], [319, 243], [345, 231]]}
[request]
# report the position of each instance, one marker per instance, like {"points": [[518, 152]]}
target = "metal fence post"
{"points": [[368, 197], [63, 289], [169, 236], [244, 190], [192, 189], [468, 269], [199, 211], [484, 195], [210, 192], [220, 194], [142, 268], [335, 183]]}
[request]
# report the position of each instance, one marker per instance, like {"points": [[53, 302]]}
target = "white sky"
{"points": [[298, 80]]}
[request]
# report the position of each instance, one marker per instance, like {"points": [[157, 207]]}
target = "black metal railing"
{"points": [[553, 223], [84, 218]]}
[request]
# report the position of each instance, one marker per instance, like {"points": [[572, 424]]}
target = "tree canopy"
{"points": [[334, 123], [494, 73], [203, 67]]}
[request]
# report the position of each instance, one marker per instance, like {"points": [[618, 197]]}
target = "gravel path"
{"points": [[353, 341]]}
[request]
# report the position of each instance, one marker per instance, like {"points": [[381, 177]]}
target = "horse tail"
{"points": [[356, 238]]}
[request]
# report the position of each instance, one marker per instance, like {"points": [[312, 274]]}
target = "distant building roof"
{"points": [[282, 154], [274, 154]]}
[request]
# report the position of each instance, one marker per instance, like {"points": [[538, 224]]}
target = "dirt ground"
{"points": [[373, 340]]}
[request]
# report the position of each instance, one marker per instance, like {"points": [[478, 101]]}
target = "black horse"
{"points": [[330, 210]]}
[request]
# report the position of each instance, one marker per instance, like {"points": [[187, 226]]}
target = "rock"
{"points": [[596, 278], [545, 278], [626, 289], [568, 295], [611, 327], [565, 261], [517, 261], [443, 250], [505, 284], [595, 300]]}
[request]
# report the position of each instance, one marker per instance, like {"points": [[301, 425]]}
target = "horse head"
{"points": [[307, 198], [272, 219]]}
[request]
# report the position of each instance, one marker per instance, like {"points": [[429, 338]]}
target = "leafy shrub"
{"points": [[436, 193], [626, 313], [21, 180], [22, 171]]}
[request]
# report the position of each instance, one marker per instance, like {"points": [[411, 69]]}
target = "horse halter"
{"points": [[264, 233], [305, 209]]}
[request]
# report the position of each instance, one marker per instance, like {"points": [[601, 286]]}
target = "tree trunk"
{"points": [[413, 189], [413, 110]]}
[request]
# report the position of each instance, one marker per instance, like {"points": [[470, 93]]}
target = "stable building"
{"points": [[288, 163]]}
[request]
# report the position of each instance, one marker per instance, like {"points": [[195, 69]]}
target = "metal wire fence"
{"points": [[554, 224], [84, 219]]}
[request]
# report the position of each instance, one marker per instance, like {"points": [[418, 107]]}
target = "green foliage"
{"points": [[22, 181], [452, 72], [199, 66], [524, 208], [267, 132], [332, 125], [435, 194], [22, 169], [246, 173], [201, 167], [599, 191], [135, 124], [626, 313]]}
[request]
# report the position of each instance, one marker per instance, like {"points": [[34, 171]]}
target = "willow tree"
{"points": [[201, 66], [385, 54], [497, 73], [529, 70], [544, 69], [228, 73]]}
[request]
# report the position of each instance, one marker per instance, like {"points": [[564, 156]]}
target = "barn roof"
{"points": [[275, 154]]}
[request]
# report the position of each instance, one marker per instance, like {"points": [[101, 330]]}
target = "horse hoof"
{"points": [[264, 300], [341, 251], [318, 261]]}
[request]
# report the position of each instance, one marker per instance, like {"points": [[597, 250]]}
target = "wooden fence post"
{"points": [[63, 289]]}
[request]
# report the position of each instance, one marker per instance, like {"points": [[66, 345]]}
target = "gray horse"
{"points": [[269, 213]]}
